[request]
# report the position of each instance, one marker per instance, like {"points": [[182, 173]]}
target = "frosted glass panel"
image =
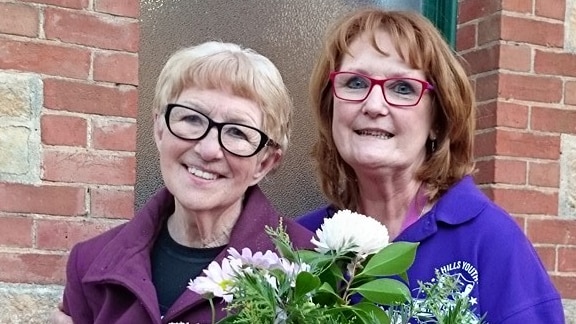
{"points": [[288, 32]]}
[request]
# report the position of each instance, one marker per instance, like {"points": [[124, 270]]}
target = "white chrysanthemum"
{"points": [[347, 231], [218, 281]]}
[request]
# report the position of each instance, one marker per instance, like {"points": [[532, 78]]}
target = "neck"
{"points": [[203, 229], [388, 200]]}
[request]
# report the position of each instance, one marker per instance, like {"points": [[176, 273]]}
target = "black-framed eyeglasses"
{"points": [[241, 140], [400, 92]]}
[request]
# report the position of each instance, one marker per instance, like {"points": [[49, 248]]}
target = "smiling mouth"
{"points": [[202, 174], [377, 134]]}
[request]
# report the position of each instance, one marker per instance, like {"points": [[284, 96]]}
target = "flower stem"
{"points": [[347, 294], [213, 310]]}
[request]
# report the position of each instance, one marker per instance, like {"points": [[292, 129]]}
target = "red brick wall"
{"points": [[86, 54], [525, 82]]}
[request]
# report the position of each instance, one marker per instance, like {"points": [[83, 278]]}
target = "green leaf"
{"points": [[394, 259], [285, 250], [327, 289], [315, 259], [404, 276], [375, 311], [384, 291], [305, 283], [332, 276], [326, 295]]}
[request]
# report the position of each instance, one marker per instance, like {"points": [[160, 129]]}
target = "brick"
{"points": [[63, 235], [550, 9], [112, 203], [532, 31], [114, 135], [85, 167], [567, 259], [63, 130], [512, 115], [570, 93], [116, 67], [520, 6], [548, 256], [544, 174], [127, 8], [487, 87], [466, 37], [19, 19], [484, 172], [526, 201], [483, 60], [45, 58], [515, 57], [52, 200], [90, 98], [501, 171], [16, 232], [472, 9], [489, 29], [99, 31], [552, 231], [553, 120], [33, 267], [566, 285], [73, 4], [530, 88], [563, 64], [486, 115], [485, 144], [500, 113], [511, 143]]}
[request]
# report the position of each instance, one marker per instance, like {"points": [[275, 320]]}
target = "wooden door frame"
{"points": [[443, 13]]}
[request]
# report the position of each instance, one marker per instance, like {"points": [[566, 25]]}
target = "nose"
{"points": [[209, 147], [375, 105]]}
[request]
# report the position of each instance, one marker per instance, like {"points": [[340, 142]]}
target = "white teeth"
{"points": [[381, 135], [202, 174]]}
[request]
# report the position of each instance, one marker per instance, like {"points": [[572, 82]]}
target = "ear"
{"points": [[269, 160], [158, 129]]}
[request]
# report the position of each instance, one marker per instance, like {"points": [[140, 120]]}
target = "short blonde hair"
{"points": [[228, 66], [420, 45]]}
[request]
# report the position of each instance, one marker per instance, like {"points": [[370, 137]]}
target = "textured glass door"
{"points": [[286, 31]]}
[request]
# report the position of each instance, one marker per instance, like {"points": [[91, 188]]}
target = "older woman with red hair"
{"points": [[395, 114]]}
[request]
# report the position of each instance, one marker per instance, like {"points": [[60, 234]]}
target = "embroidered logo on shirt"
{"points": [[466, 274]]}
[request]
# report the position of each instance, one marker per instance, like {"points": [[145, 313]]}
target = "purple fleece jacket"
{"points": [[109, 276], [468, 236]]}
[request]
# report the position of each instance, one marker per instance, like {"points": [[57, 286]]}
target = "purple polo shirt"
{"points": [[466, 235]]}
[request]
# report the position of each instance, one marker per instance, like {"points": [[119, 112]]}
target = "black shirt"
{"points": [[173, 265]]}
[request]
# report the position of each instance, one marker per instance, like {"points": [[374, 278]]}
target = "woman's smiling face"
{"points": [[373, 134], [202, 176]]}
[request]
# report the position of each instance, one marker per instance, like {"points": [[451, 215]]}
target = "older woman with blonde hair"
{"points": [[221, 124], [396, 116]]}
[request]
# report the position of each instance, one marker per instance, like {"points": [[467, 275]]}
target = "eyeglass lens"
{"points": [[396, 91], [238, 139]]}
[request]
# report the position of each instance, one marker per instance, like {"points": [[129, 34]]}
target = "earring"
{"points": [[433, 145]]}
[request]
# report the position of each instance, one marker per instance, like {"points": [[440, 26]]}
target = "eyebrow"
{"points": [[231, 115], [389, 74]]}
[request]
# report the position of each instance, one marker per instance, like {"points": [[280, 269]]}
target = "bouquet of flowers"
{"points": [[354, 275]]}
